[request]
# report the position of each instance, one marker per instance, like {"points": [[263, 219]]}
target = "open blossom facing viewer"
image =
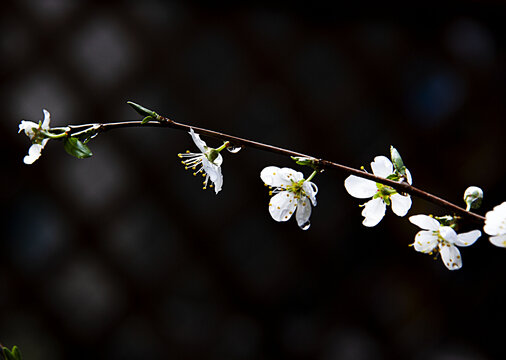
{"points": [[382, 195], [33, 131], [495, 225], [443, 239], [208, 161], [292, 193]]}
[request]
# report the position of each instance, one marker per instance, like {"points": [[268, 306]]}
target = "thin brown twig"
{"points": [[402, 187]]}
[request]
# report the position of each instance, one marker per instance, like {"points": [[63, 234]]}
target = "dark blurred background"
{"points": [[123, 256]]}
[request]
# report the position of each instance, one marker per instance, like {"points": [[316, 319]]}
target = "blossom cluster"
{"points": [[291, 193], [34, 131]]}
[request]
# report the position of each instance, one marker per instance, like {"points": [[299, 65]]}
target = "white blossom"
{"points": [[495, 225], [436, 238], [208, 162], [33, 131], [291, 194], [382, 195]]}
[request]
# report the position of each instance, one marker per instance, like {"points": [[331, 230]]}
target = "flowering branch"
{"points": [[389, 184], [164, 122]]}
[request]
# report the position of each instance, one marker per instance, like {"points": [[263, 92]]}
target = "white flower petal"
{"points": [[495, 220], [271, 176], [359, 187], [282, 206], [219, 160], [492, 228], [494, 216], [33, 154], [311, 190], [499, 240], [450, 255], [425, 222], [210, 169], [28, 127], [290, 175], [425, 241], [303, 212], [373, 212], [214, 173], [47, 119], [467, 238], [400, 204], [219, 182], [408, 176], [448, 234], [382, 166], [196, 139]]}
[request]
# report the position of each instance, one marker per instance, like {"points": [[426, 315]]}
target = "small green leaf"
{"points": [[304, 161], [76, 148], [8, 354], [397, 161], [143, 111], [447, 220], [16, 352], [147, 119]]}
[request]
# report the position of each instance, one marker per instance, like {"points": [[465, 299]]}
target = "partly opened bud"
{"points": [[397, 161], [147, 113], [473, 197]]}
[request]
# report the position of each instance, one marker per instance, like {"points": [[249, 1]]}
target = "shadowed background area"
{"points": [[123, 256]]}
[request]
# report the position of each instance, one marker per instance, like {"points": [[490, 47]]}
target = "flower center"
{"points": [[211, 154], [384, 192], [440, 239], [296, 187]]}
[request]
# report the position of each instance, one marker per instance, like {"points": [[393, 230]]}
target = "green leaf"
{"points": [[304, 161], [447, 220], [143, 111], [8, 354], [76, 148], [16, 352], [147, 119]]}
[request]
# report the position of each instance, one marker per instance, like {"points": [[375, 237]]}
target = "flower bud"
{"points": [[144, 112], [397, 161], [473, 197]]}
